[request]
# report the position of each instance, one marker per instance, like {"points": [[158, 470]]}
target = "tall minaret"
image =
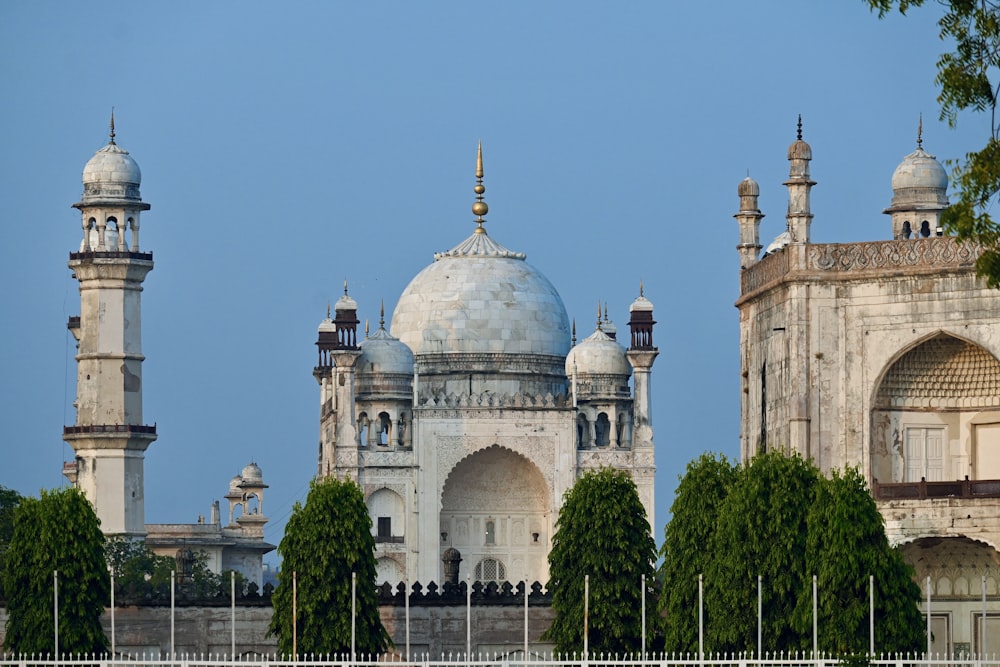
{"points": [[749, 219], [641, 354], [799, 186], [109, 435]]}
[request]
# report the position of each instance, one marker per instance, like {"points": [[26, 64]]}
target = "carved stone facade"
{"points": [[469, 421], [884, 355]]}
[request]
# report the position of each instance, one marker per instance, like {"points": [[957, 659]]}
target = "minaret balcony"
{"points": [[86, 429], [922, 490], [111, 254]]}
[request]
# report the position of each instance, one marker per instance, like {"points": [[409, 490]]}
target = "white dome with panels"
{"points": [[480, 297], [111, 174], [598, 354], [381, 353]]}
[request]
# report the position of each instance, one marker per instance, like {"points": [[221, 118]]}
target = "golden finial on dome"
{"points": [[112, 133], [366, 327], [599, 314], [920, 132], [479, 208]]}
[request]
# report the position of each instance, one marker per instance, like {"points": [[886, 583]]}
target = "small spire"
{"points": [[574, 332], [112, 133], [640, 288], [920, 132], [598, 313], [381, 315], [605, 311], [479, 208], [345, 286], [327, 310], [366, 327], [799, 131]]}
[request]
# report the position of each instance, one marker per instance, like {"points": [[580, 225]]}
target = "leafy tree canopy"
{"points": [[778, 517], [325, 541], [969, 80], [9, 500], [58, 531], [602, 531]]}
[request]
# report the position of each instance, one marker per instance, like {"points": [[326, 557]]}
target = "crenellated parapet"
{"points": [[491, 400]]}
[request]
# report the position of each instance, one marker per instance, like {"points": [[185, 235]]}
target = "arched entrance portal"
{"points": [[959, 568], [495, 509], [936, 414]]}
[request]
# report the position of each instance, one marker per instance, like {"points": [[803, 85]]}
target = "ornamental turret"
{"points": [[799, 186], [109, 435], [749, 219], [919, 194]]}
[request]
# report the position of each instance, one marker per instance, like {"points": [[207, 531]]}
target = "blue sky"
{"points": [[288, 146]]}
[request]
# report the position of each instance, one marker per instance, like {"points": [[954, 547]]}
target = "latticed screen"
{"points": [[490, 569]]}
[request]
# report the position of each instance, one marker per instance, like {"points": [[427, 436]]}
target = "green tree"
{"points": [[58, 531], [779, 517], [9, 500], [846, 544], [969, 80], [602, 531], [325, 541], [761, 530], [694, 512]]}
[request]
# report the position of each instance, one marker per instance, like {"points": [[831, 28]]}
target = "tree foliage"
{"points": [[969, 80], [9, 500], [142, 574], [58, 531], [779, 517], [695, 509], [325, 541], [602, 531], [846, 538]]}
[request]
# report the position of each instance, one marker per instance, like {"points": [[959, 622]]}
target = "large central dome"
{"points": [[480, 297]]}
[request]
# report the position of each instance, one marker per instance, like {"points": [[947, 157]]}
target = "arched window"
{"points": [[582, 432], [907, 230], [925, 229], [491, 569], [362, 434], [603, 430], [491, 532], [620, 430], [384, 424]]}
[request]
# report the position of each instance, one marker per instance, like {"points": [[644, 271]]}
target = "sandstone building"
{"points": [[884, 355]]}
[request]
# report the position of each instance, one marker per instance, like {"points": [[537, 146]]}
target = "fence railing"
{"points": [[513, 658]]}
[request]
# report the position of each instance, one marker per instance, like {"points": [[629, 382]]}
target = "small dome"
{"points": [[800, 150], [381, 353], [779, 242], [748, 188], [326, 325], [641, 303], [919, 169], [608, 327], [598, 354], [345, 303], [234, 484], [252, 473], [111, 173]]}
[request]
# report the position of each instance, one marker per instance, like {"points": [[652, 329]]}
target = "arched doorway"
{"points": [[495, 509]]}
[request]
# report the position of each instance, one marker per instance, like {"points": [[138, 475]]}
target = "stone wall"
{"points": [[434, 629]]}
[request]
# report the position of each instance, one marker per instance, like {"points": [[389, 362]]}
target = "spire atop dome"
{"points": [[920, 132], [641, 291], [112, 132], [479, 208], [381, 315]]}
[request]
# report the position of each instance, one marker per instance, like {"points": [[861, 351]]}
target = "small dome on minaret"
{"points": [[111, 173], [800, 150], [748, 188], [641, 322]]}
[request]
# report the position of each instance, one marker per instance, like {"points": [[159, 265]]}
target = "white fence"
{"points": [[512, 659]]}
